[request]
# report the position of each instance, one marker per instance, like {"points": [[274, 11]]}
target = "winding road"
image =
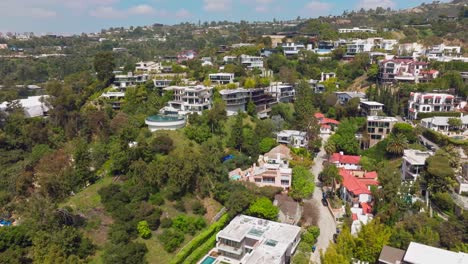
{"points": [[326, 221]]}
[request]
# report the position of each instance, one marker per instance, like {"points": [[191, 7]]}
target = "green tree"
{"points": [[397, 144], [129, 253], [330, 176], [236, 139], [263, 208], [104, 65], [266, 144], [454, 123], [303, 183], [143, 229], [439, 175], [251, 109]]}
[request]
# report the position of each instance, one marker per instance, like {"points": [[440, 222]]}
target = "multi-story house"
{"points": [[251, 62], [122, 81], [357, 30], [359, 46], [344, 97], [291, 48], [262, 100], [148, 66], [405, 70], [292, 138], [414, 50], [327, 75], [446, 53], [417, 253], [162, 83], [370, 108], [413, 163], [272, 169], [348, 162], [429, 102], [221, 78], [251, 240], [378, 128], [284, 93], [189, 99], [235, 99]]}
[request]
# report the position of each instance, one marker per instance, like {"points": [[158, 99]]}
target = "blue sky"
{"points": [[76, 16]]}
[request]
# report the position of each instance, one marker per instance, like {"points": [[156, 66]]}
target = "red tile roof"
{"points": [[352, 184], [330, 121], [347, 159], [371, 175], [366, 208], [319, 115]]}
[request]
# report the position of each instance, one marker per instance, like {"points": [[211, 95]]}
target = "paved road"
{"points": [[326, 222]]}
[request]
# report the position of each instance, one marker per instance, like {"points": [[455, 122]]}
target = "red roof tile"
{"points": [[319, 115], [371, 175], [366, 208], [352, 184], [347, 159], [330, 121]]}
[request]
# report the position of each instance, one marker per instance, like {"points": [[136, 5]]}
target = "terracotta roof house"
{"points": [[349, 162], [326, 124]]}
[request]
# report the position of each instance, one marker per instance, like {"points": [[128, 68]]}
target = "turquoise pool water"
{"points": [[208, 260], [164, 118], [236, 177]]}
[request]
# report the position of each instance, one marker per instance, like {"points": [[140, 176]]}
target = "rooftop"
{"points": [[443, 120], [289, 133], [348, 159], [416, 157], [283, 151], [382, 118], [391, 255], [419, 253], [372, 103], [274, 238]]}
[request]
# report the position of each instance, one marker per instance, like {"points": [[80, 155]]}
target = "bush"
{"points": [[201, 251], [188, 224], [199, 240], [171, 239], [198, 208], [144, 230], [180, 206], [156, 199], [444, 201], [263, 208], [266, 144], [166, 222]]}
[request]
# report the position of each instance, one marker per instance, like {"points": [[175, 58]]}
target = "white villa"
{"points": [[429, 102], [123, 81], [440, 123], [251, 240], [189, 99], [251, 62], [413, 163], [33, 106], [292, 138], [221, 78]]}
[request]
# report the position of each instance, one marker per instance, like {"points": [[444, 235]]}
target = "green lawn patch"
{"points": [[88, 198]]}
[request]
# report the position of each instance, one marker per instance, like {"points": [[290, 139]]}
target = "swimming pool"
{"points": [[208, 260]]}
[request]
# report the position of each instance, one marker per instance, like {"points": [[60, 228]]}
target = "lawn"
{"points": [[88, 198]]}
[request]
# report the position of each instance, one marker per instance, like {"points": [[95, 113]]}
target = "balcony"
{"points": [[226, 248]]}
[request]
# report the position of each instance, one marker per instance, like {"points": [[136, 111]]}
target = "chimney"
{"points": [[341, 153]]}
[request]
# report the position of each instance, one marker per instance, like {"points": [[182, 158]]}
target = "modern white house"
{"points": [[370, 108], [440, 123], [251, 240], [357, 30], [228, 59], [429, 102], [327, 75], [359, 46], [420, 253], [189, 99], [283, 93], [148, 66], [413, 163], [292, 138], [122, 81], [221, 77], [251, 62], [344, 97], [113, 95], [33, 106], [162, 83], [235, 99], [291, 48]]}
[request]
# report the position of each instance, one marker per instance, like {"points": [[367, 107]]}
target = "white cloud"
{"points": [[217, 5], [42, 13], [368, 4], [109, 12], [183, 13], [317, 8], [141, 10]]}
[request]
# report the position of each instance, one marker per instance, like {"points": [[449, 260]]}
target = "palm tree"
{"points": [[330, 147], [397, 144]]}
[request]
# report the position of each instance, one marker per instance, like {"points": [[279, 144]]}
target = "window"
{"points": [[284, 182]]}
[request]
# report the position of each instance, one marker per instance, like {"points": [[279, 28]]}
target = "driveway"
{"points": [[326, 222]]}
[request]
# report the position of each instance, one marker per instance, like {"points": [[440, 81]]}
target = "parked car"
{"points": [[324, 202], [335, 237]]}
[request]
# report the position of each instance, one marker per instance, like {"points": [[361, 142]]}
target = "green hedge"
{"points": [[432, 114], [442, 140], [200, 240], [202, 250]]}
